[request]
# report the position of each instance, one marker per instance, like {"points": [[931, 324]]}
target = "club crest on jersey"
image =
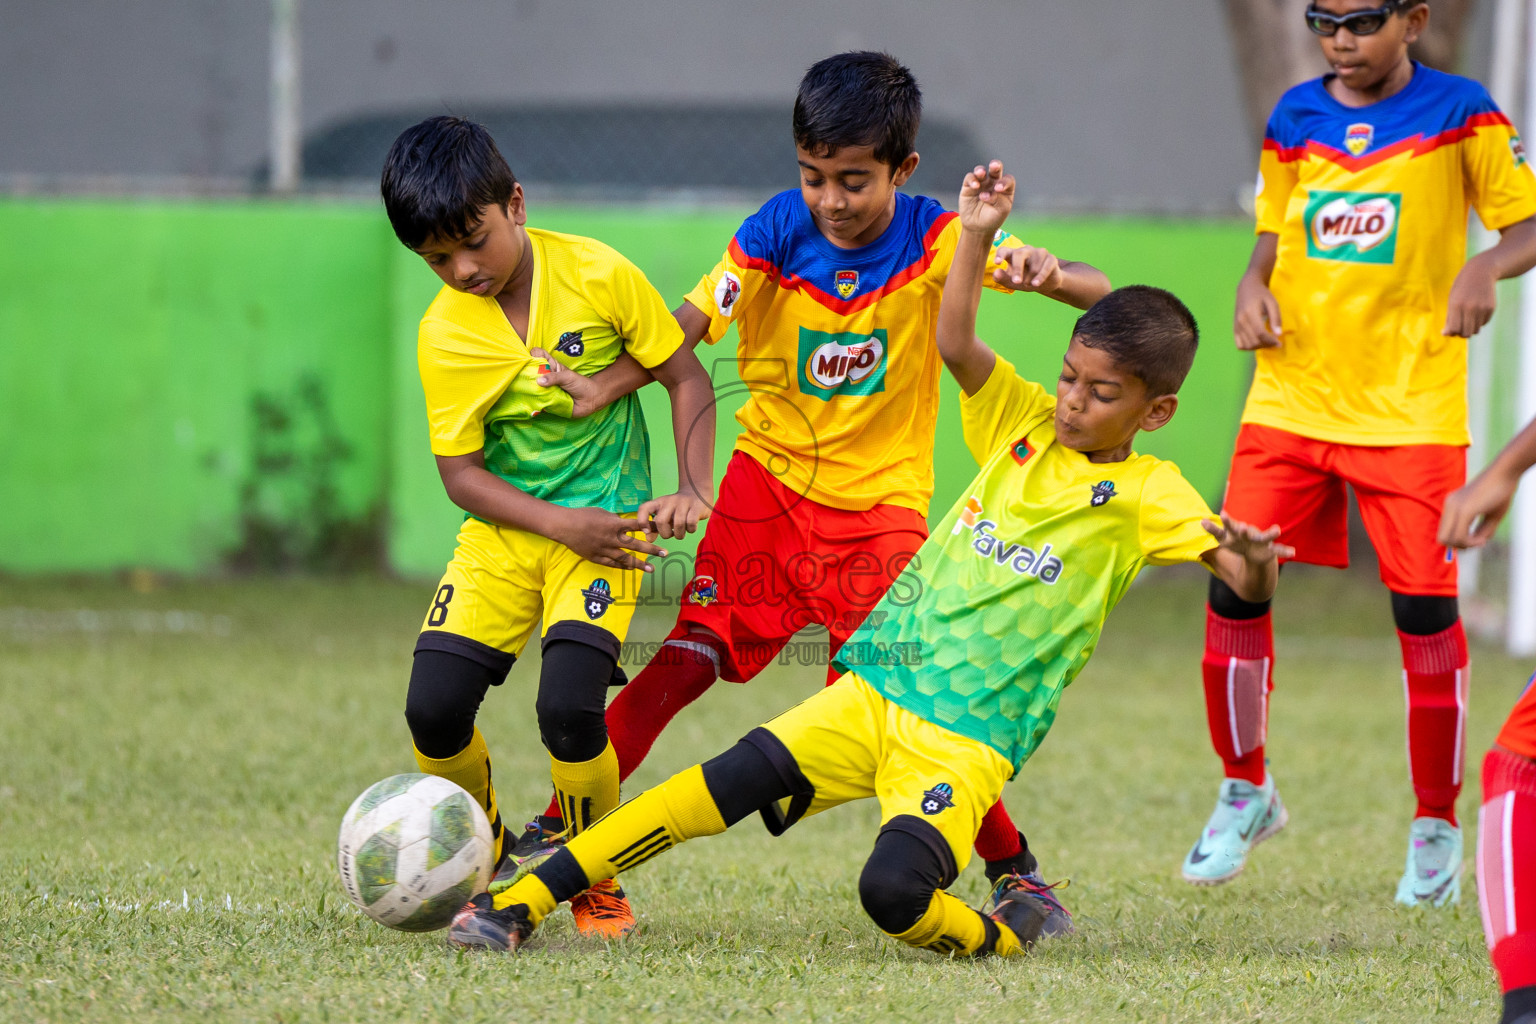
{"points": [[1020, 450], [1358, 138], [727, 291], [599, 596], [989, 547], [845, 363], [1353, 227], [1102, 492], [847, 282], [702, 591], [1517, 150], [570, 343], [938, 798]]}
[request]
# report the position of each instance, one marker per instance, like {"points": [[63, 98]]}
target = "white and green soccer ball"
{"points": [[413, 849]]}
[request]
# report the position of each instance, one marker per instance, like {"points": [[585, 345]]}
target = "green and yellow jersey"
{"points": [[1003, 605], [589, 303]]}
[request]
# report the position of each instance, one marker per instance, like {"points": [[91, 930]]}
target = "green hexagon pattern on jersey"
{"points": [[999, 637]]}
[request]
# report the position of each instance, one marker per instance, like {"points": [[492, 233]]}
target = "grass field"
{"points": [[173, 766]]}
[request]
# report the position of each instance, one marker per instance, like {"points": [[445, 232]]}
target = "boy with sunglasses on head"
{"points": [[1357, 302]]}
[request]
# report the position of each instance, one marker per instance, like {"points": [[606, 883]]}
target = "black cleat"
{"points": [[481, 926], [1029, 908]]}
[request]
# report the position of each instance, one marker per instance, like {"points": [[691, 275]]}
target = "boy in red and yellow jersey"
{"points": [[1358, 301], [834, 289]]}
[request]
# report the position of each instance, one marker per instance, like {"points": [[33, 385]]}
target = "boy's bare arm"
{"points": [[593, 533], [1472, 513], [1256, 320], [1246, 559], [1029, 268], [1474, 294], [621, 377], [986, 196], [693, 430]]}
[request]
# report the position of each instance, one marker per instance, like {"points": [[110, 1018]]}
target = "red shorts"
{"points": [[1519, 732], [772, 562], [1298, 483]]}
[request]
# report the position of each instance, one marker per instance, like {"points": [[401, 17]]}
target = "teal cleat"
{"points": [[1432, 876], [1245, 816]]}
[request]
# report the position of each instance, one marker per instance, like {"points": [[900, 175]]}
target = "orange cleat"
{"points": [[603, 912]]}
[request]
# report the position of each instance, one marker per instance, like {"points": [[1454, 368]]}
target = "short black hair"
{"points": [[860, 98], [1145, 330], [438, 177]]}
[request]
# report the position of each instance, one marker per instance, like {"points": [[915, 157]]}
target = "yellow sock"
{"points": [[949, 926], [655, 821], [587, 790], [470, 769]]}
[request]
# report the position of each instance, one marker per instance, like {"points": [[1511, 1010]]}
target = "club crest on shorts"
{"points": [[1358, 138], [599, 596], [847, 282], [1102, 492], [938, 798], [570, 343], [702, 591], [1021, 450]]}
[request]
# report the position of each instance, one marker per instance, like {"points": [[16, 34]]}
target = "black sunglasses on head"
{"points": [[1360, 23]]}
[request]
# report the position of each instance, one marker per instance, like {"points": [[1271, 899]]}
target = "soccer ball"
{"points": [[412, 850]]}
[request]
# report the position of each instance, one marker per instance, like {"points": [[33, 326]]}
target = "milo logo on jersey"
{"points": [[1353, 227], [842, 364], [1025, 561]]}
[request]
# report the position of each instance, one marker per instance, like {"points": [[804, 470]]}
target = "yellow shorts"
{"points": [[850, 742], [502, 581]]}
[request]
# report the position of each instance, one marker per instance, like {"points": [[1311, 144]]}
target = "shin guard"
{"points": [[1435, 679], [1239, 656], [586, 790]]}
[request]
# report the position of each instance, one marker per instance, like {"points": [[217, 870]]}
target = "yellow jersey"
{"points": [[589, 303], [1370, 206], [837, 349]]}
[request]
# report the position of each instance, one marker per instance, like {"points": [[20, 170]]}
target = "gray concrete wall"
{"points": [[1095, 103]]}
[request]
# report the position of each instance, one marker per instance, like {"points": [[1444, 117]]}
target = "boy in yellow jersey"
{"points": [[551, 529], [1357, 301], [942, 698], [834, 289]]}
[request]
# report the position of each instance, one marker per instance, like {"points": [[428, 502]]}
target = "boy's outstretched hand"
{"points": [[986, 198], [1249, 543], [673, 515], [1472, 513], [1028, 269]]}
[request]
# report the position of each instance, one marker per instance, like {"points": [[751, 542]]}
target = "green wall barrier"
{"points": [[203, 386]]}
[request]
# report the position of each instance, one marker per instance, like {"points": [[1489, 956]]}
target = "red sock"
{"points": [[675, 678], [1239, 656], [998, 838], [1435, 678], [1506, 866]]}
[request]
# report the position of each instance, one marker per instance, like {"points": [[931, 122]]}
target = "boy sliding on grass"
{"points": [[1506, 823], [1357, 301], [942, 698], [834, 289], [550, 531]]}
